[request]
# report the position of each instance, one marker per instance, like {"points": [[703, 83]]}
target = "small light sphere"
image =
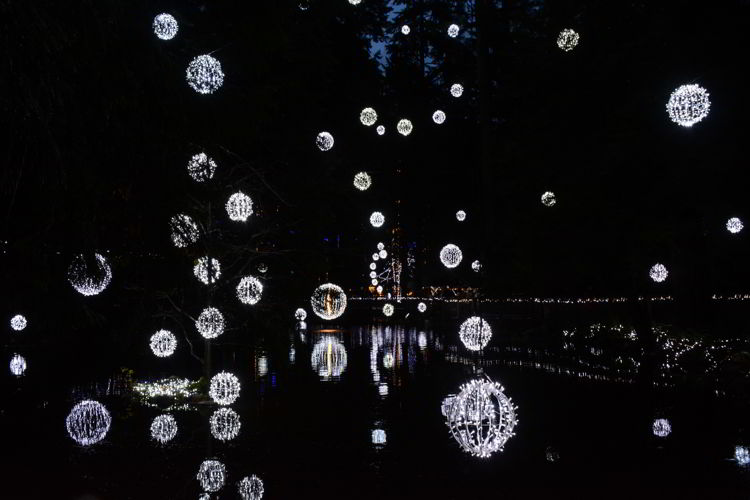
{"points": [[207, 270], [225, 424], [368, 117], [163, 428], [379, 289], [17, 365], [324, 141], [380, 130], [212, 475], [373, 274], [688, 105], [89, 277], [249, 290], [204, 74], [378, 437], [328, 301], [457, 90], [18, 322], [404, 127], [658, 273], [329, 358], [381, 246], [239, 207], [383, 254], [165, 26], [567, 39], [373, 266], [475, 333], [376, 256], [742, 455], [163, 343], [185, 231], [421, 307], [438, 117], [661, 427], [451, 256], [224, 388], [251, 488], [405, 29], [210, 323], [88, 422], [388, 310], [201, 167], [377, 220], [300, 314], [476, 266], [734, 225], [460, 216], [362, 181], [453, 30], [549, 199]]}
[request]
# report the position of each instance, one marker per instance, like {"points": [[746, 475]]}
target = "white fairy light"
{"points": [[476, 266], [447, 404], [201, 167], [475, 333], [328, 301], [658, 273], [380, 130], [17, 365], [362, 181], [212, 475], [204, 74], [165, 26], [89, 277], [421, 307], [742, 455], [405, 29], [567, 39], [457, 90], [377, 220], [88, 422], [661, 427], [324, 141], [378, 437], [329, 358], [225, 424], [379, 289], [453, 30], [460, 216], [184, 230], [210, 323], [224, 388], [300, 314], [549, 199], [163, 343], [368, 117], [438, 117], [239, 207], [688, 105], [451, 256], [249, 290], [251, 488], [734, 225], [373, 275], [404, 127], [381, 246], [207, 270], [163, 428], [373, 266], [383, 254], [18, 322], [388, 310]]}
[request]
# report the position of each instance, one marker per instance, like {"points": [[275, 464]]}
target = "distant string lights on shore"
{"points": [[368, 117], [658, 273]]}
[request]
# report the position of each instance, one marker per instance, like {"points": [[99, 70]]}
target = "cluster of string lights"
{"points": [[405, 29], [18, 322], [549, 199], [207, 270], [475, 333], [172, 387], [165, 26], [163, 428], [404, 127], [89, 277], [88, 422], [476, 266], [661, 427], [451, 256], [734, 225], [163, 343], [460, 216], [453, 30], [211, 475], [239, 207], [184, 230], [210, 323], [658, 273], [380, 130], [201, 167], [362, 181], [249, 290], [328, 358], [328, 301], [368, 117], [324, 141], [688, 105], [377, 219], [17, 365], [567, 40], [457, 90], [225, 424], [224, 388], [204, 74]]}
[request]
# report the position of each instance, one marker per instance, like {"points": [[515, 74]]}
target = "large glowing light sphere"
{"points": [[210, 323], [549, 199], [453, 30], [481, 417], [734, 225], [658, 273], [324, 141], [224, 388], [163, 428], [376, 256], [88, 422], [249, 290], [251, 488], [165, 26], [185, 231], [688, 105], [404, 127], [362, 181], [18, 322], [89, 276], [381, 246], [239, 207], [438, 117], [329, 358], [163, 343], [373, 275], [328, 301], [380, 130], [457, 90], [300, 314], [211, 475], [405, 29], [476, 266], [742, 455], [451, 256], [567, 40], [201, 167], [388, 310], [421, 307], [204, 74], [368, 117], [475, 333], [661, 427], [377, 219], [460, 216], [17, 365], [207, 270], [225, 424]]}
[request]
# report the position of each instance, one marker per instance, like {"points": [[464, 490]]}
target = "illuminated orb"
{"points": [[163, 343], [460, 216], [734, 225], [207, 270], [742, 455], [163, 428], [17, 365], [404, 127], [567, 40], [688, 105], [453, 30], [249, 290], [383, 254], [661, 427], [475, 333], [658, 273], [224, 389], [328, 301], [184, 230], [376, 256], [239, 207], [381, 246], [18, 322], [383, 389], [251, 488], [377, 219], [374, 282], [88, 422], [301, 325], [89, 277], [211, 475], [210, 323], [457, 90], [362, 181], [329, 358], [165, 26], [300, 314], [481, 417], [373, 266], [324, 141], [379, 289], [201, 167], [405, 29], [451, 256], [476, 266], [549, 199], [388, 361], [421, 307], [368, 117], [388, 309], [378, 437], [225, 424], [380, 130], [373, 275], [204, 74], [438, 117]]}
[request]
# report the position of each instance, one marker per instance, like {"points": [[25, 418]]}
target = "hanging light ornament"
{"points": [[421, 307], [163, 428], [249, 290], [381, 246], [404, 127], [207, 270], [377, 219], [378, 437], [457, 90], [661, 427], [212, 475], [18, 322], [300, 314], [165, 26], [742, 455], [88, 422], [453, 30], [373, 274], [210, 323], [224, 389], [383, 254], [262, 268], [451, 256], [476, 266], [201, 167], [17, 365], [184, 230], [438, 117], [460, 216], [251, 488], [734, 225], [368, 117], [204, 74], [89, 277], [388, 310], [324, 141], [567, 40], [163, 343], [658, 273], [549, 199], [405, 29], [688, 105], [225, 424], [328, 301], [239, 207], [475, 333], [362, 181], [380, 130], [329, 358], [373, 266]]}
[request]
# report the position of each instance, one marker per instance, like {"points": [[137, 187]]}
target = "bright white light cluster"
{"points": [[368, 117], [18, 322], [163, 343], [329, 358], [165, 26], [453, 30], [17, 365], [378, 437], [421, 307], [377, 219], [324, 141], [89, 278], [239, 207], [207, 270], [201, 167], [300, 314], [251, 488], [88, 422], [388, 310], [212, 475], [658, 273], [742, 455], [567, 40], [163, 428], [380, 130], [224, 388], [661, 427], [475, 333], [362, 181], [225, 424], [204, 74], [355, 2], [481, 417], [404, 127], [405, 29], [249, 290], [184, 230], [169, 387], [383, 254], [688, 105], [328, 301], [460, 216], [549, 199], [457, 90], [734, 225], [438, 117], [451, 256], [476, 266], [210, 323]]}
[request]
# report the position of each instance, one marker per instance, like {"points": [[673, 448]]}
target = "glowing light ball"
{"points": [[88, 422], [18, 322], [734, 225], [688, 105], [380, 130], [460, 216], [368, 117], [207, 270], [212, 475], [549, 199], [404, 127], [742, 455], [201, 167], [388, 310], [362, 181], [374, 282], [567, 40], [163, 428], [476, 266], [184, 230], [438, 117], [382, 254], [224, 388], [163, 343], [210, 323], [381, 246], [378, 437], [329, 358], [447, 404], [475, 333], [300, 314], [376, 257], [165, 26], [379, 289], [324, 141], [373, 275], [251, 488], [388, 361], [249, 290], [377, 219], [405, 29], [89, 276], [421, 307], [661, 427], [17, 365], [239, 207], [225, 424], [453, 30], [328, 301], [451, 256], [204, 74], [658, 273], [373, 266], [457, 90]]}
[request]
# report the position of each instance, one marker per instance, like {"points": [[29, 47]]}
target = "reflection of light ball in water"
{"points": [[688, 105], [207, 270], [404, 127], [380, 130], [453, 30], [165, 26], [742, 455], [224, 389], [374, 282], [567, 40], [368, 117], [388, 309], [88, 422], [328, 301], [17, 365], [324, 141], [549, 199], [204, 74], [239, 207], [438, 117], [734, 225], [460, 216], [658, 273], [201, 167], [211, 475], [184, 230], [300, 314], [475, 333], [89, 276], [377, 219], [329, 358], [661, 427], [378, 436], [379, 289], [421, 307], [476, 266], [249, 290], [405, 29], [18, 322], [225, 424], [210, 323], [163, 343], [451, 256], [163, 428], [388, 361], [362, 181], [457, 90], [251, 488]]}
